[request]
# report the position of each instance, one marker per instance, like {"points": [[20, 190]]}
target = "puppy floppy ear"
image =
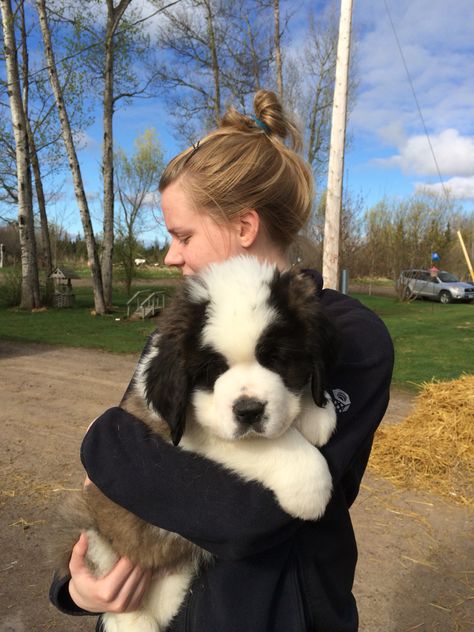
{"points": [[321, 332], [167, 385], [324, 355], [168, 382], [318, 380]]}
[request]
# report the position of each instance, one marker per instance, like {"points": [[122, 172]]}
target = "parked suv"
{"points": [[435, 285]]}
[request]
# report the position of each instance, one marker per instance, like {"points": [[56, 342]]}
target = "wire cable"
{"points": [[410, 81]]}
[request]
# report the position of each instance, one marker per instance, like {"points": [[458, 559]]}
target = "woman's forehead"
{"points": [[177, 207]]}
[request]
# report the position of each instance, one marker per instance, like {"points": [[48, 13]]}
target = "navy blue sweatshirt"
{"points": [[272, 573]]}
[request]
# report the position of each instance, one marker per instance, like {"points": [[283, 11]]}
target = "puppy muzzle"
{"points": [[248, 410]]}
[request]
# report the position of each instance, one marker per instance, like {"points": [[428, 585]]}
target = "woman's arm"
{"points": [[359, 387], [191, 495], [180, 491]]}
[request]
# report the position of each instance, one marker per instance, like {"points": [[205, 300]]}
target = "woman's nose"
{"points": [[173, 256]]}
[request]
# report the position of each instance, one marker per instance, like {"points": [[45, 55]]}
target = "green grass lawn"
{"points": [[431, 340], [76, 327]]}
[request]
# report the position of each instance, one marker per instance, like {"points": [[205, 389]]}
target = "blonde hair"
{"points": [[244, 164]]}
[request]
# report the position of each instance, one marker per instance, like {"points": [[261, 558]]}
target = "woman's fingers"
{"points": [[140, 591], [132, 591], [77, 563], [120, 590]]}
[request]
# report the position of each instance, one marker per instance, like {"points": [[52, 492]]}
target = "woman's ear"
{"points": [[248, 226]]}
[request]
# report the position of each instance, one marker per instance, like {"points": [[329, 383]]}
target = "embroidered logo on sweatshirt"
{"points": [[341, 400]]}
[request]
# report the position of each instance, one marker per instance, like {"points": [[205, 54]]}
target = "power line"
{"points": [[410, 81]]}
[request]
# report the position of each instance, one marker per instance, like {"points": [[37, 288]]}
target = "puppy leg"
{"points": [[130, 622], [100, 554], [167, 593], [316, 424], [101, 558], [162, 602], [292, 468]]}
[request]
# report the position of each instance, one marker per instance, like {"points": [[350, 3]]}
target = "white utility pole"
{"points": [[336, 151]]}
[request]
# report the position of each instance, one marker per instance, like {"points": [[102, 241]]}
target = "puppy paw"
{"points": [[316, 424], [308, 487]]}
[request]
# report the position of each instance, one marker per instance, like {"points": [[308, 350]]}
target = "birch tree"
{"points": [[114, 16], [277, 39], [308, 75], [33, 153], [93, 258], [30, 293], [114, 53], [310, 88]]}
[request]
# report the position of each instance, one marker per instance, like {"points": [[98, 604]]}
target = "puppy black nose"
{"points": [[248, 410]]}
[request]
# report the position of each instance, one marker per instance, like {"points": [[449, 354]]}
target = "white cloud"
{"points": [[147, 10], [85, 141], [437, 43], [459, 188], [454, 155], [152, 199], [92, 196]]}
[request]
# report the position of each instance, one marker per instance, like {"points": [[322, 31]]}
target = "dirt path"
{"points": [[415, 569]]}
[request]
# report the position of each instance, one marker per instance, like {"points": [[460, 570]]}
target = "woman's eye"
{"points": [[184, 240]]}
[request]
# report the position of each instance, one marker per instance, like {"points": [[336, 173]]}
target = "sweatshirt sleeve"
{"points": [[59, 596], [359, 387], [180, 491]]}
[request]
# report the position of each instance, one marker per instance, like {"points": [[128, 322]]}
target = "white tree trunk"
{"points": [[114, 15], [30, 294], [33, 155], [215, 63], [93, 258], [276, 39]]}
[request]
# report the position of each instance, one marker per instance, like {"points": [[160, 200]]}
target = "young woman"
{"points": [[243, 190]]}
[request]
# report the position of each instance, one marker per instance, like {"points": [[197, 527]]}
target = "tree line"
{"points": [[65, 61], [393, 235], [378, 241]]}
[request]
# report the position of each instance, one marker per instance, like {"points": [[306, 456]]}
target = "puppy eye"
{"points": [[289, 359], [212, 366], [267, 354]]}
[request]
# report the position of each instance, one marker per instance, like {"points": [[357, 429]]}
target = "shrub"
{"points": [[10, 287]]}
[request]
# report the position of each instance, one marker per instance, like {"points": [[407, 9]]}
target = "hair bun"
{"points": [[269, 111]]}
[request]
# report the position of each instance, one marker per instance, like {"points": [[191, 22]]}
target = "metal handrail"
{"points": [[154, 301]]}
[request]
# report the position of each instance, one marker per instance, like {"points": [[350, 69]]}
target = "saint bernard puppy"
{"points": [[236, 372]]}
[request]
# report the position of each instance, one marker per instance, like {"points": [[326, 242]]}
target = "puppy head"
{"points": [[241, 342], [276, 342]]}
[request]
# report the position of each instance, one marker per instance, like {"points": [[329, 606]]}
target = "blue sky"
{"points": [[389, 153]]}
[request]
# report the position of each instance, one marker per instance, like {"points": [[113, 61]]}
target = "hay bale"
{"points": [[433, 448]]}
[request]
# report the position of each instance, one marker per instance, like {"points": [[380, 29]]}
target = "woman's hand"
{"points": [[121, 590]]}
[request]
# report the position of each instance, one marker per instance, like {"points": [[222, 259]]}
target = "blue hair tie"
{"points": [[263, 126]]}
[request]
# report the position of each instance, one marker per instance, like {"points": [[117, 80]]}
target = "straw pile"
{"points": [[433, 448]]}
